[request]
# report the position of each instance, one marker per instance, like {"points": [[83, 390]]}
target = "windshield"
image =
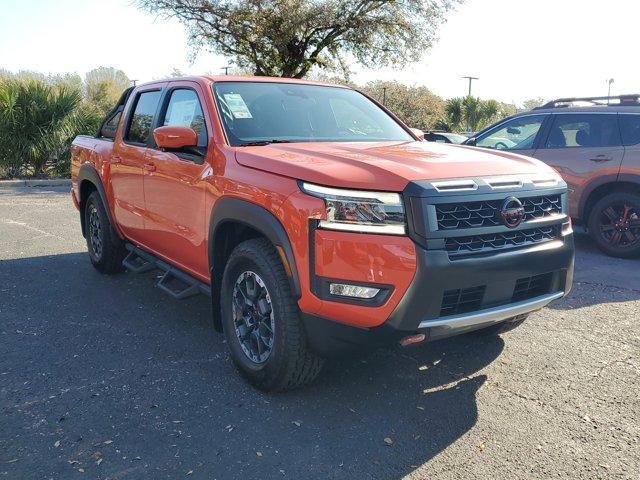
{"points": [[261, 112]]}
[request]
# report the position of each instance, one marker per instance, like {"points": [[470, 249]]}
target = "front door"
{"points": [[127, 161], [174, 193], [517, 135], [582, 147]]}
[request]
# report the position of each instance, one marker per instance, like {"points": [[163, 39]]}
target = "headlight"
{"points": [[360, 210]]}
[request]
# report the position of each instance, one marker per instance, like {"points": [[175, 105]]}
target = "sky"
{"points": [[518, 49]]}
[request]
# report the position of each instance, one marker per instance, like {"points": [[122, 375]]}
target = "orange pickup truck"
{"points": [[316, 220]]}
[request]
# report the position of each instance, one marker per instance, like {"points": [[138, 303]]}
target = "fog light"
{"points": [[355, 291]]}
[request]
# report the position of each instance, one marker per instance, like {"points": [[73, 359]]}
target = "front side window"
{"points": [[516, 134], [630, 129], [140, 123], [184, 109], [583, 130], [254, 112]]}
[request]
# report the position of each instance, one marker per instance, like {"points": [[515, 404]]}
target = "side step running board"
{"points": [[175, 282]]}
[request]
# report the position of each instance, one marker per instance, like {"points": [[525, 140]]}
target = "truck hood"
{"points": [[382, 165]]}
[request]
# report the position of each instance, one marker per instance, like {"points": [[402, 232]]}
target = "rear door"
{"points": [[174, 193], [582, 147], [127, 162], [630, 130]]}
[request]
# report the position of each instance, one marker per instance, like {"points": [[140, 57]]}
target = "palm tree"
{"points": [[37, 123]]}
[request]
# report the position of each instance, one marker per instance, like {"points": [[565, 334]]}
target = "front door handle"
{"points": [[601, 158], [149, 167]]}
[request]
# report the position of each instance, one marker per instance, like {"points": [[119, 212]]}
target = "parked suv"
{"points": [[316, 220], [594, 143]]}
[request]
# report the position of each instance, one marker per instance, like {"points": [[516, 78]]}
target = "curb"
{"points": [[52, 182]]}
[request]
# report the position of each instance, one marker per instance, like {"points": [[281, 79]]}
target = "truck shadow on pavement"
{"points": [[113, 369]]}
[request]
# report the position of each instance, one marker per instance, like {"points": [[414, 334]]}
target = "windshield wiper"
{"points": [[262, 142]]}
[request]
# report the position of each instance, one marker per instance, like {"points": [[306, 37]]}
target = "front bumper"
{"points": [[421, 307]]}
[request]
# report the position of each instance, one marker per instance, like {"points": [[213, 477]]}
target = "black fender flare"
{"points": [[89, 174], [231, 209]]}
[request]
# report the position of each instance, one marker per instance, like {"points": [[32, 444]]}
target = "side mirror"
{"points": [[174, 137], [470, 141], [418, 133], [514, 130]]}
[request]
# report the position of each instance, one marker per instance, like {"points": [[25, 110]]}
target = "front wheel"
{"points": [[261, 321], [614, 224]]}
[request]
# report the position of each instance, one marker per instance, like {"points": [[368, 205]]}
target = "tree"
{"points": [[417, 106], [289, 37], [103, 87], [532, 103], [471, 114], [37, 124]]}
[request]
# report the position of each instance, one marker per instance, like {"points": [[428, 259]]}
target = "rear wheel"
{"points": [[614, 224], [106, 249], [261, 320]]}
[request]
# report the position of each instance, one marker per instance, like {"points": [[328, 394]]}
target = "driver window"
{"points": [[516, 134], [184, 109]]}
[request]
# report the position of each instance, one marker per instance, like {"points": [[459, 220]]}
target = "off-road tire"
{"points": [[290, 363], [112, 250], [595, 223]]}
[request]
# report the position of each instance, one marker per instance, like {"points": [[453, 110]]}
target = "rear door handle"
{"points": [[116, 159], [601, 158], [149, 167]]}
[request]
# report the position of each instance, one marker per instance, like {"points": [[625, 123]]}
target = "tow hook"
{"points": [[413, 339]]}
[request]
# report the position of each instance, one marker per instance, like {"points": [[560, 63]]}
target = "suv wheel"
{"points": [[106, 249], [261, 320], [614, 224]]}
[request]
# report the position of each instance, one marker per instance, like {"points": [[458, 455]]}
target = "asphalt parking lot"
{"points": [[106, 377]]}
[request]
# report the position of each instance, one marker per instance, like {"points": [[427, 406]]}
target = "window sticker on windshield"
{"points": [[237, 106]]}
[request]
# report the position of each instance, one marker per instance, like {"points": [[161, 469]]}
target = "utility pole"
{"points": [[134, 81], [470, 80], [610, 81], [384, 96], [226, 69]]}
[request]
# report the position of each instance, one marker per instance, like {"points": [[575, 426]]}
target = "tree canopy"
{"points": [[289, 37]]}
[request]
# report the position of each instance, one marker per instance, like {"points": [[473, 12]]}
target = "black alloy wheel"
{"points": [[253, 316], [614, 224]]}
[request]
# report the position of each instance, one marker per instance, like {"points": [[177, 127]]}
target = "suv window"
{"points": [[140, 123], [184, 109], [583, 130], [630, 129], [516, 134]]}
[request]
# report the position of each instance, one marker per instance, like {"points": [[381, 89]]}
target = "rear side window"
{"points": [[584, 130], [630, 129], [140, 123], [184, 109], [110, 126]]}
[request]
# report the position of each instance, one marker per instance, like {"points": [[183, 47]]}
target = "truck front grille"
{"points": [[469, 300], [473, 244], [530, 287], [451, 216], [461, 300]]}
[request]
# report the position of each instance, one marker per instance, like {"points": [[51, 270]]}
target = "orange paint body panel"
{"points": [[382, 259]]}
